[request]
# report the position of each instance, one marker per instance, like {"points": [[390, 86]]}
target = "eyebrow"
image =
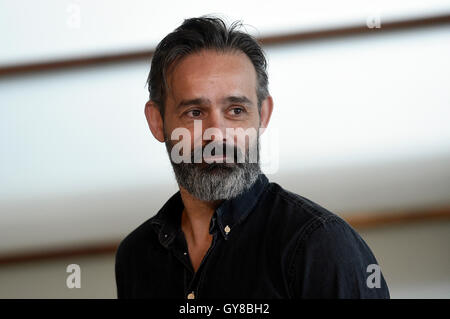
{"points": [[197, 101], [204, 101], [239, 99]]}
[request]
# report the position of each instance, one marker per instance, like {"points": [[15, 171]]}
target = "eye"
{"points": [[194, 113], [237, 110]]}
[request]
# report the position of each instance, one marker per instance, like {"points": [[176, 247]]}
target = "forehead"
{"points": [[209, 72]]}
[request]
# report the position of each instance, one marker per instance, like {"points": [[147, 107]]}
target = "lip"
{"points": [[221, 158]]}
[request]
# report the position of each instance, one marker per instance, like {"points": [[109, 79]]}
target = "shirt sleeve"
{"points": [[120, 272], [331, 260]]}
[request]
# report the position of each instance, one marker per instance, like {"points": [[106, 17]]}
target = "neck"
{"points": [[196, 216]]}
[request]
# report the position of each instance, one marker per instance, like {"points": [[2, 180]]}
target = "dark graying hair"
{"points": [[198, 34]]}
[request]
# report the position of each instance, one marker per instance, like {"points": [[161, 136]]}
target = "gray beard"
{"points": [[216, 181]]}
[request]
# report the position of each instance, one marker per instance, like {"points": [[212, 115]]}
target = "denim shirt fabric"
{"points": [[268, 243]]}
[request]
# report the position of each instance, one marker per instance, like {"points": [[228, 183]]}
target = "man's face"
{"points": [[218, 89]]}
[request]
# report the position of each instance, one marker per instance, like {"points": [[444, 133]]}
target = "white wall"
{"points": [[49, 29]]}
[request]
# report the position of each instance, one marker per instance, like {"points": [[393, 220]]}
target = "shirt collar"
{"points": [[167, 222]]}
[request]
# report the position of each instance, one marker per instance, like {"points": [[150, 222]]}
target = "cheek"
{"points": [[174, 133], [245, 138], [171, 123]]}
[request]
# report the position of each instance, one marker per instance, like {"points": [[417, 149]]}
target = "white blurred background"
{"points": [[362, 126]]}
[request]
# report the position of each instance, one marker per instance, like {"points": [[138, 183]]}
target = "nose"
{"points": [[214, 126]]}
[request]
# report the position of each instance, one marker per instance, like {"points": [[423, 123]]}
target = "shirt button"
{"points": [[227, 229], [191, 295]]}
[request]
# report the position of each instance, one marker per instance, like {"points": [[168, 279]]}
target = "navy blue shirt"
{"points": [[267, 243]]}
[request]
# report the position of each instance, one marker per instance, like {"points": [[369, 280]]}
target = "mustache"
{"points": [[215, 152], [218, 148]]}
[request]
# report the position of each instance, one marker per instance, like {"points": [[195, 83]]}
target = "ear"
{"points": [[266, 112], [154, 120]]}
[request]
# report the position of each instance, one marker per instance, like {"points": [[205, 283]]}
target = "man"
{"points": [[229, 232]]}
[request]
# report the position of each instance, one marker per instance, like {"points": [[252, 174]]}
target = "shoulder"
{"points": [[325, 256], [298, 223], [332, 260], [311, 224], [146, 235], [298, 213], [142, 236]]}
